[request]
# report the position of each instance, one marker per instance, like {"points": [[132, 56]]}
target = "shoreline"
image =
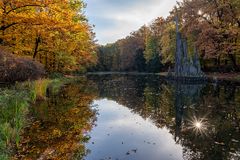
{"points": [[209, 75]]}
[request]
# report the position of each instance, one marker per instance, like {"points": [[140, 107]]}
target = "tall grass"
{"points": [[39, 89], [13, 110], [14, 103]]}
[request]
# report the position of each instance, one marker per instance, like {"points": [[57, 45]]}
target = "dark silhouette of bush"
{"points": [[14, 69]]}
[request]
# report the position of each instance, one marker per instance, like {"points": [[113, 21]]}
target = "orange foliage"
{"points": [[46, 30], [66, 118]]}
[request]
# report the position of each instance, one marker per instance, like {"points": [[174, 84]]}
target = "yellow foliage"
{"points": [[42, 29], [66, 118]]}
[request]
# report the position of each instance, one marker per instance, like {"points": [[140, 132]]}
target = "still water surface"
{"points": [[121, 134], [123, 117]]}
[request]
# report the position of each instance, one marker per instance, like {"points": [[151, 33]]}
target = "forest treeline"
{"points": [[210, 26], [55, 33]]}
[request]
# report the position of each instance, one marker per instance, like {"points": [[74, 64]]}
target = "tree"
{"points": [[56, 32], [140, 62], [215, 26], [210, 26], [168, 42], [152, 55], [121, 55]]}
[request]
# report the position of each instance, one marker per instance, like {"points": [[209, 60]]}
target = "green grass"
{"points": [[13, 109], [14, 104]]}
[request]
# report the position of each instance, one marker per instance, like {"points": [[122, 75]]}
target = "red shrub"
{"points": [[14, 69]]}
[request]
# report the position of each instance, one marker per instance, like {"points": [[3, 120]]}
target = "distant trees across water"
{"points": [[213, 26]]}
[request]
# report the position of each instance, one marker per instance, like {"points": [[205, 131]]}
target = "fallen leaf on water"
{"points": [[219, 143]]}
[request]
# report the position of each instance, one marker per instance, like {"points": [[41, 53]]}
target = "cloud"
{"points": [[115, 19]]}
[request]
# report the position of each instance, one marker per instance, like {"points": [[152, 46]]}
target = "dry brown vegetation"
{"points": [[14, 69]]}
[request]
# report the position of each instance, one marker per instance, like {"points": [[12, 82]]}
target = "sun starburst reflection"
{"points": [[198, 125]]}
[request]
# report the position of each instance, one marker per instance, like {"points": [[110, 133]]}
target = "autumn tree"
{"points": [[140, 61], [56, 32], [214, 26], [154, 45], [210, 26]]}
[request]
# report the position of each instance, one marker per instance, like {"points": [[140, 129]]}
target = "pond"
{"points": [[135, 117]]}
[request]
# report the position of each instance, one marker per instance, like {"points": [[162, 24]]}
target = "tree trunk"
{"points": [[37, 41], [46, 61], [234, 62]]}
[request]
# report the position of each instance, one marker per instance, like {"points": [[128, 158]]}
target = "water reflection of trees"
{"points": [[173, 105], [59, 124]]}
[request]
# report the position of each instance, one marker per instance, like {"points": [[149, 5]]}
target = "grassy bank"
{"points": [[14, 103]]}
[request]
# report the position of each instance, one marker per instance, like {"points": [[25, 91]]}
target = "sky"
{"points": [[115, 19]]}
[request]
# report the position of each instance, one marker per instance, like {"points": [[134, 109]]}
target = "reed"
{"points": [[14, 104], [13, 110]]}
